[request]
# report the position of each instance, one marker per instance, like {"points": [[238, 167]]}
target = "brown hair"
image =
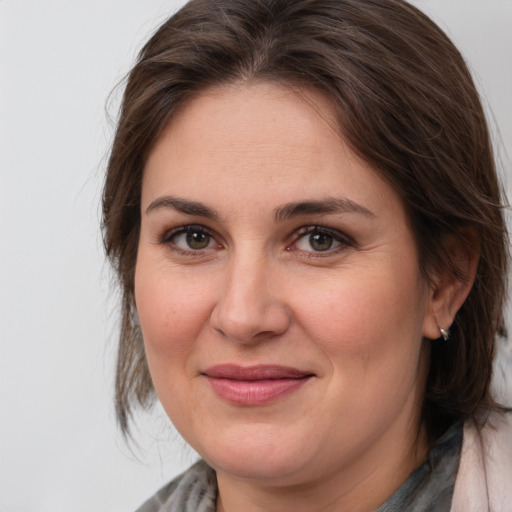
{"points": [[406, 104]]}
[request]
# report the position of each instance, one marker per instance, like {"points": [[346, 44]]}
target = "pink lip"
{"points": [[254, 385]]}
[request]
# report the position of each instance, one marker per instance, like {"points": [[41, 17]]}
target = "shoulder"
{"points": [[485, 470], [195, 490]]}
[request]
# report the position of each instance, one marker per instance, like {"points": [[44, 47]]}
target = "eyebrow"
{"points": [[183, 206], [286, 212], [323, 206]]}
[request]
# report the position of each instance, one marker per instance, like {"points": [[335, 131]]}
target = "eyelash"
{"points": [[168, 236], [343, 240], [168, 239]]}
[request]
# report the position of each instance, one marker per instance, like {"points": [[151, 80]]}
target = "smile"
{"points": [[255, 385]]}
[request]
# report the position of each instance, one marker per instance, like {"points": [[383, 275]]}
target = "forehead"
{"points": [[246, 139], [241, 116]]}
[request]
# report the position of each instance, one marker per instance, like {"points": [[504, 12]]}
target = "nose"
{"points": [[250, 306]]}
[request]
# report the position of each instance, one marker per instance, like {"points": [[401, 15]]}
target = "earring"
{"points": [[445, 334]]}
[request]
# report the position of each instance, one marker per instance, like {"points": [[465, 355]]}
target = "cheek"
{"points": [[172, 312], [371, 335], [370, 319]]}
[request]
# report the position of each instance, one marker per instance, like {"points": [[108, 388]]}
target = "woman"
{"points": [[303, 211]]}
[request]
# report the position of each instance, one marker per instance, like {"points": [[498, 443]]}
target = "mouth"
{"points": [[255, 385]]}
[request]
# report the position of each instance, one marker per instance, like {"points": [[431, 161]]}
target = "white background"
{"points": [[59, 447]]}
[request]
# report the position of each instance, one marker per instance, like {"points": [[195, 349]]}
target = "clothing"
{"points": [[468, 470], [430, 487], [484, 477], [193, 491]]}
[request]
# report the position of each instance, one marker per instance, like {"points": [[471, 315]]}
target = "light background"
{"points": [[59, 448]]}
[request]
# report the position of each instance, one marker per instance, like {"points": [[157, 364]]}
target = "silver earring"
{"points": [[445, 334]]}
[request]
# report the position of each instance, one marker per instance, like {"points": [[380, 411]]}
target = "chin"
{"points": [[268, 453], [261, 467]]}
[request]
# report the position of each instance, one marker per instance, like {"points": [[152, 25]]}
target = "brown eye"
{"points": [[316, 239], [198, 240], [191, 238], [321, 241]]}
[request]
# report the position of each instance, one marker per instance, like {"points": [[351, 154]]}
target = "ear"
{"points": [[452, 283]]}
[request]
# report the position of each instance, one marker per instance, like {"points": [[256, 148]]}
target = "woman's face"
{"points": [[278, 290]]}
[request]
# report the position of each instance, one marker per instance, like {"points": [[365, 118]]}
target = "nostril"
{"points": [[238, 325]]}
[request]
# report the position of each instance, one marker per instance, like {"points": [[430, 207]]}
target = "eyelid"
{"points": [[165, 238], [168, 233], [344, 240]]}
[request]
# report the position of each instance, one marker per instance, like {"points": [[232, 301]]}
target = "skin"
{"points": [[256, 290]]}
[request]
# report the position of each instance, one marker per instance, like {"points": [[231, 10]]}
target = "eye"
{"points": [[190, 239], [315, 239], [317, 242]]}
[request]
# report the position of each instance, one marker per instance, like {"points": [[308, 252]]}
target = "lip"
{"points": [[255, 385]]}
